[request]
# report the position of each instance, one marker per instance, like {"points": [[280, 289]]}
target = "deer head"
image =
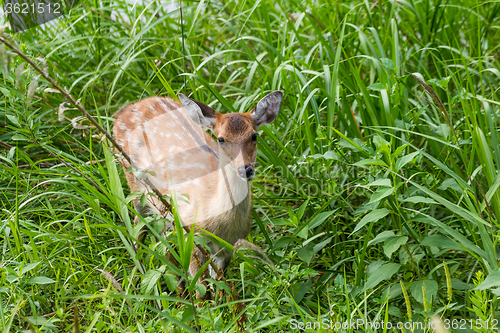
{"points": [[236, 133]]}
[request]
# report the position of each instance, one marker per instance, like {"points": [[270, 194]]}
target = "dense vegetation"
{"points": [[377, 190]]}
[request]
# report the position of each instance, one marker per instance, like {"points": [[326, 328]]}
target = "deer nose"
{"points": [[246, 171], [249, 171]]}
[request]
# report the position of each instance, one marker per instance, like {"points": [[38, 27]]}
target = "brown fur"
{"points": [[162, 139]]}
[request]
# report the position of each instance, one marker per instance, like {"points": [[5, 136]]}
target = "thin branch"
{"points": [[80, 108], [5, 144], [66, 94], [437, 101], [90, 119]]}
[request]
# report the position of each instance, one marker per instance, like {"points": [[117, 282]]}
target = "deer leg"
{"points": [[221, 260], [197, 261]]}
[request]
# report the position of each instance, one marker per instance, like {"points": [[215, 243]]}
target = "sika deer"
{"points": [[167, 144]]}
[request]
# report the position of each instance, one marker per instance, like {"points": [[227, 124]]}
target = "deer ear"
{"points": [[200, 113], [267, 108]]}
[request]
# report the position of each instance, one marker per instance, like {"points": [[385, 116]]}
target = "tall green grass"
{"points": [[377, 191]]}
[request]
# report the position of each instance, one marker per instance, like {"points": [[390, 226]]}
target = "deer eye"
{"points": [[254, 137], [221, 140]]}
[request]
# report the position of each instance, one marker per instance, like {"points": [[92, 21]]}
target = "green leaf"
{"points": [[42, 321], [374, 266], [318, 247], [394, 311], [19, 137], [399, 150], [443, 130], [301, 210], [387, 63], [138, 228], [13, 119], [382, 145], [306, 253], [188, 249], [319, 219], [198, 274], [171, 281], [419, 199], [441, 242], [381, 193], [431, 289], [456, 284], [29, 267], [491, 281], [187, 314], [133, 196], [385, 272], [372, 216], [304, 232], [450, 183], [491, 191], [40, 280], [376, 86], [151, 172], [405, 160], [392, 244], [6, 92], [149, 280], [329, 155], [381, 182], [144, 199], [461, 239], [200, 287], [304, 288], [382, 237], [496, 291], [11, 278], [370, 161]]}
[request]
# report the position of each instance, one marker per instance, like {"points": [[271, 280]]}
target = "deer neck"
{"points": [[231, 196], [231, 187]]}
